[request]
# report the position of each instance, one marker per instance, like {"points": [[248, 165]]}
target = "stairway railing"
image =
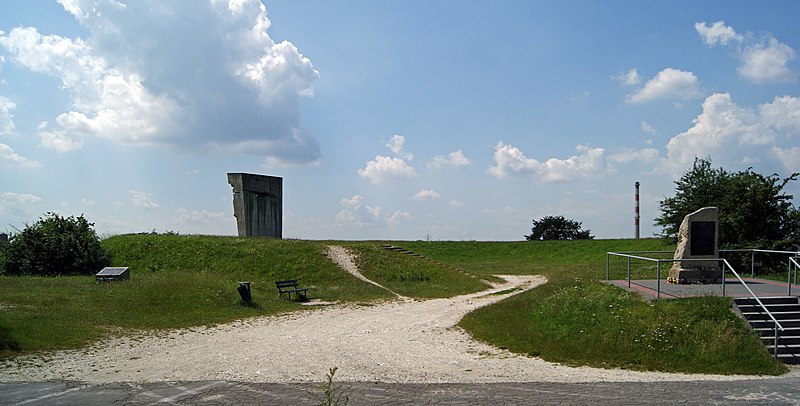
{"points": [[794, 265], [776, 325]]}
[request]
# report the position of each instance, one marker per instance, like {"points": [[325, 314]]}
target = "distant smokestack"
{"points": [[636, 211]]}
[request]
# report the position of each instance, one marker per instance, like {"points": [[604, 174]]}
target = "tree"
{"points": [[56, 245], [557, 228], [754, 211]]}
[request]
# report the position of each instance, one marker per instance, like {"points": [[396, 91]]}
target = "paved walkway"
{"points": [[773, 391], [651, 288]]}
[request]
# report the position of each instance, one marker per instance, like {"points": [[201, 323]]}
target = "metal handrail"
{"points": [[777, 325], [753, 251], [760, 303], [658, 262]]}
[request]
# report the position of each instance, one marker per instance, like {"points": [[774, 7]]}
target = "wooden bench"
{"points": [[290, 286]]}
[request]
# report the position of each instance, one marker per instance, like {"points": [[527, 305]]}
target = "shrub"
{"points": [[558, 228], [56, 245], [3, 243]]}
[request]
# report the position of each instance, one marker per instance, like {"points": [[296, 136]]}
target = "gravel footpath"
{"points": [[402, 341]]}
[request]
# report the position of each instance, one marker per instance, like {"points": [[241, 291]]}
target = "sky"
{"points": [[392, 120]]}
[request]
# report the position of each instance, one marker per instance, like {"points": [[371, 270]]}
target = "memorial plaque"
{"points": [[696, 256], [703, 238], [113, 273]]}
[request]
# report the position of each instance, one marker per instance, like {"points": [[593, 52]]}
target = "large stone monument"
{"points": [[257, 204], [697, 240]]}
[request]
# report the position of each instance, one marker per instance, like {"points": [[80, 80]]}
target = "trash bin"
{"points": [[244, 292]]}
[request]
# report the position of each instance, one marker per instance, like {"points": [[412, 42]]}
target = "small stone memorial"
{"points": [[697, 240], [113, 273]]}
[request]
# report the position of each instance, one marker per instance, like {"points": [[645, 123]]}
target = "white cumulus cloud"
{"points": [[383, 168], [199, 74], [789, 157], [767, 62], [455, 158], [631, 78], [428, 194], [396, 145], [19, 198], [355, 213], [590, 164], [7, 126], [732, 134], [10, 158], [668, 84], [647, 128], [717, 33], [397, 217], [143, 200]]}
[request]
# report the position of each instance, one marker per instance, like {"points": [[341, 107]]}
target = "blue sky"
{"points": [[448, 120]]}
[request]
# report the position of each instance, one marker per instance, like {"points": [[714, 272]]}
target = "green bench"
{"points": [[290, 286]]}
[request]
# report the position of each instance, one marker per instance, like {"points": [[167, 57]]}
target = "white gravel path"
{"points": [[397, 341]]}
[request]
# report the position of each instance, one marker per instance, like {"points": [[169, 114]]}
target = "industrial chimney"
{"points": [[636, 211]]}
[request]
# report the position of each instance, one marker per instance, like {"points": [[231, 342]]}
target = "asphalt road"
{"points": [[773, 391]]}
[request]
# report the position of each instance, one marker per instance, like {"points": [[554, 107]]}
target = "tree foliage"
{"points": [[557, 228], [754, 211], [56, 245]]}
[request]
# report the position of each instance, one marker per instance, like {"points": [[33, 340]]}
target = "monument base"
{"points": [[694, 276]]}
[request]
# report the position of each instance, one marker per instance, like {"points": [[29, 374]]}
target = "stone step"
{"points": [[773, 308], [785, 349], [743, 301], [783, 340], [757, 316], [404, 251], [786, 309], [789, 359], [769, 331], [768, 324]]}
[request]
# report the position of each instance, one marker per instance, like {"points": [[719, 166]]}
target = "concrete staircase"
{"points": [[404, 251], [786, 309]]}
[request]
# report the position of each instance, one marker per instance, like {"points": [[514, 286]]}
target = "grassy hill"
{"points": [[184, 281], [575, 319]]}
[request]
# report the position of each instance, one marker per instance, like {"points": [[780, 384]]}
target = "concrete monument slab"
{"points": [[257, 204]]}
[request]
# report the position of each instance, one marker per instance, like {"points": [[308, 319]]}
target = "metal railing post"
{"points": [[658, 281], [776, 324], [629, 272], [789, 278], [752, 263], [607, 256], [775, 348], [723, 278]]}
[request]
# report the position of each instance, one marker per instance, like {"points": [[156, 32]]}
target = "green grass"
{"points": [[577, 320], [187, 281], [410, 276]]}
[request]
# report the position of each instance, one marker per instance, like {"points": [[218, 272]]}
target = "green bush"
{"points": [[2, 256], [56, 245]]}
